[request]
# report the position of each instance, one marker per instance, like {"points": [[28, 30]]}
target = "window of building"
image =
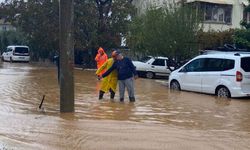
{"points": [[246, 17], [217, 13]]}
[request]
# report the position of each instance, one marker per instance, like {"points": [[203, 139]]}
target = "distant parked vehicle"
{"points": [[16, 53], [225, 74], [152, 66]]}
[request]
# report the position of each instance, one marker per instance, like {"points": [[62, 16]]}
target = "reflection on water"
{"points": [[23, 85]]}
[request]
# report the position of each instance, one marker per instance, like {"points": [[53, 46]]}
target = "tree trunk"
{"points": [[66, 56]]}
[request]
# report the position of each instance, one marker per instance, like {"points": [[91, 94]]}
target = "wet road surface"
{"points": [[160, 119]]}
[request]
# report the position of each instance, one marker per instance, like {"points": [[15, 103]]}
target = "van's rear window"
{"points": [[245, 64], [21, 50]]}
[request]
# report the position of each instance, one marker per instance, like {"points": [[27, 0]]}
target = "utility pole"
{"points": [[66, 56]]}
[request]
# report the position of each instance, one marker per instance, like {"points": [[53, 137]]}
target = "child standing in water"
{"points": [[108, 83]]}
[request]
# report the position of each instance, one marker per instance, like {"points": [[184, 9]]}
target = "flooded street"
{"points": [[159, 119]]}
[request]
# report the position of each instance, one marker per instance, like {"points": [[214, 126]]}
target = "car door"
{"points": [[211, 74], [245, 83], [6, 54], [190, 75], [158, 66]]}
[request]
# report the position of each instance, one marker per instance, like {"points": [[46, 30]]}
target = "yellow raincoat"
{"points": [[110, 81]]}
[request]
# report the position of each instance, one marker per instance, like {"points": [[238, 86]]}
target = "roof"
{"points": [[17, 46], [227, 2], [225, 54], [159, 57]]}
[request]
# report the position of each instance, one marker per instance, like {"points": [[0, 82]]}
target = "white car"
{"points": [[16, 53], [226, 74], [152, 66]]}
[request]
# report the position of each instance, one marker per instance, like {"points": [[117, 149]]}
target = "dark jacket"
{"points": [[124, 67]]}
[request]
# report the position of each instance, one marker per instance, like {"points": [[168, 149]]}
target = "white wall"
{"points": [[6, 27]]}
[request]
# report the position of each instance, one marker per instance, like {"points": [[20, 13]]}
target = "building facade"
{"points": [[6, 26], [218, 15]]}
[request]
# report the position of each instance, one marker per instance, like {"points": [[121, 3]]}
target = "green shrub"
{"points": [[168, 31], [213, 39]]}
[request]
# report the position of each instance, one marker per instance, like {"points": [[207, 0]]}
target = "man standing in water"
{"points": [[100, 59], [126, 75]]}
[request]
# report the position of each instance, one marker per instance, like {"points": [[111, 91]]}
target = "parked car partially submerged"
{"points": [[152, 66], [16, 53], [225, 74]]}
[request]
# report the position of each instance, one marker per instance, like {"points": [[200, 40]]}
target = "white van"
{"points": [[226, 74], [16, 53]]}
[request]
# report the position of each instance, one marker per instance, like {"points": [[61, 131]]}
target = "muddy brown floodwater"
{"points": [[160, 119]]}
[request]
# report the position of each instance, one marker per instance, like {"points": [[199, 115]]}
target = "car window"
{"points": [[218, 64], [21, 50], [194, 66], [213, 64], [245, 61], [228, 64], [145, 59], [159, 62], [8, 50]]}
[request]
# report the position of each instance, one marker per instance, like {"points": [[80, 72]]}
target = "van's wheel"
{"points": [[174, 85], [223, 92], [2, 59], [11, 60], [150, 75]]}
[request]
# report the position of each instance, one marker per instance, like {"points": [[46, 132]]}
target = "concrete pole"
{"points": [[66, 56]]}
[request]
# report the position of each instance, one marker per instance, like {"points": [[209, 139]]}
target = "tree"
{"points": [[104, 9], [169, 31], [244, 22], [242, 36], [114, 18], [39, 21], [4, 41], [85, 24], [11, 38], [214, 39]]}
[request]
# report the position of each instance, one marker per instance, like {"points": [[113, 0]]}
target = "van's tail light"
{"points": [[239, 76]]}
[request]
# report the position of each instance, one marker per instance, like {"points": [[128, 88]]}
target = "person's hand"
{"points": [[136, 77], [100, 77]]}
